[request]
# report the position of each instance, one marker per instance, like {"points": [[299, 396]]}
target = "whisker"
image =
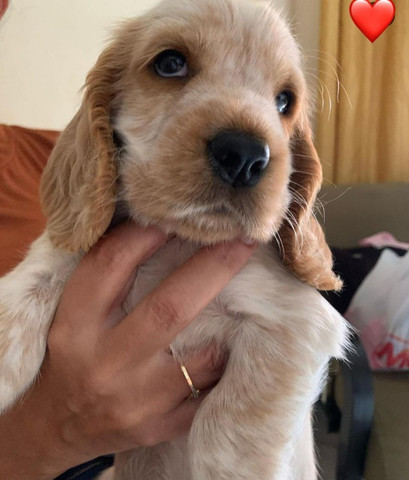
{"points": [[339, 85], [311, 174], [298, 185], [280, 244], [323, 52], [325, 88], [302, 155], [327, 202], [297, 231]]}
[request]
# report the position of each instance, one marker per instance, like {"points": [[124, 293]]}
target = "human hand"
{"points": [[108, 382]]}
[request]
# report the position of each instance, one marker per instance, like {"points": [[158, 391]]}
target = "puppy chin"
{"points": [[208, 231]]}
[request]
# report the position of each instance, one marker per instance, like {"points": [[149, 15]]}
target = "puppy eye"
{"points": [[284, 100], [171, 63]]}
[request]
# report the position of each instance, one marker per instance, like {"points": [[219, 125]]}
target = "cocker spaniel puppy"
{"points": [[195, 119]]}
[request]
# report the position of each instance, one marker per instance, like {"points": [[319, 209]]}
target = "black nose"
{"points": [[237, 158]]}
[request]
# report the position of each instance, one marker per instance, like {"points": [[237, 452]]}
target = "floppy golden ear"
{"points": [[304, 249], [78, 186]]}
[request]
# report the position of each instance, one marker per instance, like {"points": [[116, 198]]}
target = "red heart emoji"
{"points": [[372, 18]]}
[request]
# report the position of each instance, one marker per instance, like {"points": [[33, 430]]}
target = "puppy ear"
{"points": [[304, 249], [78, 185]]}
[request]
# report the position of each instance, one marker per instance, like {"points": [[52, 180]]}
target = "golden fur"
{"points": [[79, 186], [278, 330]]}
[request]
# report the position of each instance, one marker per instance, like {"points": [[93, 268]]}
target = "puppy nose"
{"points": [[237, 158]]}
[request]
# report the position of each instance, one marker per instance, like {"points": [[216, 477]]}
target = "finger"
{"points": [[203, 369], [104, 272], [181, 297]]}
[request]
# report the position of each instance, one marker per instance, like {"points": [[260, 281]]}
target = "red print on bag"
{"points": [[384, 354]]}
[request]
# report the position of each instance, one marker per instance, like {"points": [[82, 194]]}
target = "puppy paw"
{"points": [[22, 349], [224, 446]]}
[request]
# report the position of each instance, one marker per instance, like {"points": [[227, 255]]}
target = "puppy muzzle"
{"points": [[237, 158]]}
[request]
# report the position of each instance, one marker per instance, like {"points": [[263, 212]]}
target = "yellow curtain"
{"points": [[364, 138]]}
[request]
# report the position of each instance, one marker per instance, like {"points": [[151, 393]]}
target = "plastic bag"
{"points": [[380, 312]]}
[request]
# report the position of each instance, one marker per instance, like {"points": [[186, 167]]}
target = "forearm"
{"points": [[31, 443]]}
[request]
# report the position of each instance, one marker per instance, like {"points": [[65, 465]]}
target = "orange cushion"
{"points": [[23, 155]]}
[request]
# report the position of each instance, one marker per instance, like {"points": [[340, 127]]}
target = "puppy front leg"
{"points": [[167, 461], [304, 466], [249, 424], [28, 298]]}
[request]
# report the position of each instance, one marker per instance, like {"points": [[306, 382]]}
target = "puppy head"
{"points": [[208, 100]]}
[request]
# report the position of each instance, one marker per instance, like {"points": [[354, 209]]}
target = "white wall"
{"points": [[46, 49], [48, 46]]}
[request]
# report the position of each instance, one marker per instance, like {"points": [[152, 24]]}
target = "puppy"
{"points": [[195, 119]]}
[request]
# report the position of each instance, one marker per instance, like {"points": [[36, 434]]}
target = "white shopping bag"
{"points": [[380, 312]]}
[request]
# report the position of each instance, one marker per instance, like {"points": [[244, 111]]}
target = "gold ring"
{"points": [[195, 391]]}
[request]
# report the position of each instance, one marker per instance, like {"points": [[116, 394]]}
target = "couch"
{"points": [[374, 429]]}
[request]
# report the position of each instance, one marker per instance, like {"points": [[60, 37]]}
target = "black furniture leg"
{"points": [[357, 414]]}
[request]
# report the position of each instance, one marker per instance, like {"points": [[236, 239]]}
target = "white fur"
{"points": [[270, 322], [260, 308], [29, 296]]}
